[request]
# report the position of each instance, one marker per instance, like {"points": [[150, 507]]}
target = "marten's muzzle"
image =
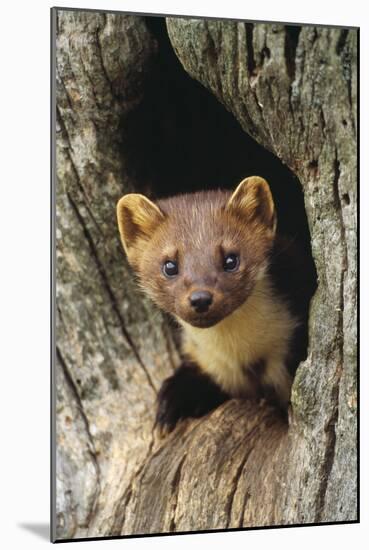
{"points": [[200, 300]]}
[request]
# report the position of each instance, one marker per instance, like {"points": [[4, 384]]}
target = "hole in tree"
{"points": [[290, 47], [182, 139], [346, 198]]}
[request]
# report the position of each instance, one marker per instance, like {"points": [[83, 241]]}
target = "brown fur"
{"points": [[246, 323]]}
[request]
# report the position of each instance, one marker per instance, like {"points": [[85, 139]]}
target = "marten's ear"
{"points": [[138, 218], [253, 200]]}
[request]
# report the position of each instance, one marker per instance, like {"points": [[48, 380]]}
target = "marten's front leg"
{"points": [[188, 393]]}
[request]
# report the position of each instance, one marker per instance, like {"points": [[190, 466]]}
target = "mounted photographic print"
{"points": [[204, 301]]}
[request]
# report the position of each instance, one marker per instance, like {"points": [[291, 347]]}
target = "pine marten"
{"points": [[213, 260]]}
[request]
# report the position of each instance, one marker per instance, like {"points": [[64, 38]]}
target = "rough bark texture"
{"points": [[113, 348], [294, 91]]}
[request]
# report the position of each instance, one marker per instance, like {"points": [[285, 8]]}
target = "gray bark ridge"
{"points": [[294, 90], [113, 346]]}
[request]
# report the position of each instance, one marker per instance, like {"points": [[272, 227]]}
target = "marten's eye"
{"points": [[231, 262], [170, 268]]}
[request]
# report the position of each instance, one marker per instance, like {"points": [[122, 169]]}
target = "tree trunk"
{"points": [[293, 90], [113, 348]]}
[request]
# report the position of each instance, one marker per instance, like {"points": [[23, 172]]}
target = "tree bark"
{"points": [[113, 348], [294, 91]]}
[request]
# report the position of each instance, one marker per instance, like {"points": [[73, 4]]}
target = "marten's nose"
{"points": [[200, 300]]}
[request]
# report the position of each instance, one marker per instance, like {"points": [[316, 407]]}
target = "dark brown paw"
{"points": [[188, 393]]}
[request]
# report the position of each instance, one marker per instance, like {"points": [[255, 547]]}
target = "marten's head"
{"points": [[200, 255]]}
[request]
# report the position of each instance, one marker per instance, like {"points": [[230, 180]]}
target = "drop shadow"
{"points": [[42, 530]]}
